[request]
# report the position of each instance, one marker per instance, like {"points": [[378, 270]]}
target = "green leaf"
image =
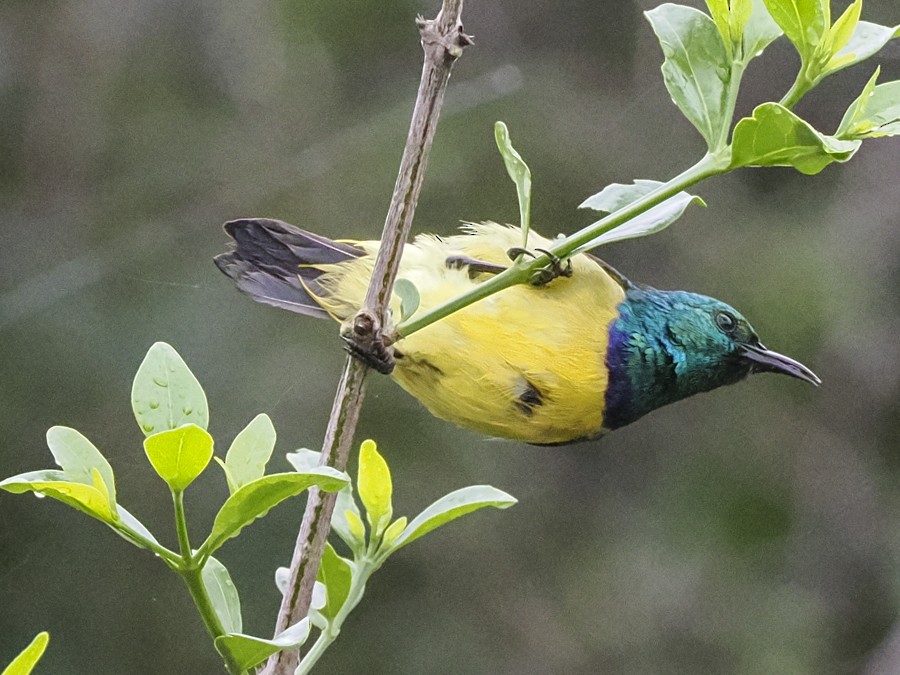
{"points": [[337, 575], [78, 457], [391, 534], [760, 31], [256, 498], [128, 524], [867, 40], [696, 67], [304, 459], [519, 173], [804, 22], [451, 507], [179, 455], [345, 508], [839, 34], [88, 499], [165, 394], [874, 114], [409, 297], [28, 657], [775, 136], [617, 196], [375, 487], [250, 451], [247, 651], [223, 595]]}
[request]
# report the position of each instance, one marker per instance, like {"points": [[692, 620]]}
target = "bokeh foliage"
{"points": [[752, 530]]}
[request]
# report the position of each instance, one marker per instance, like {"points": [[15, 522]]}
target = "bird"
{"points": [[549, 363]]}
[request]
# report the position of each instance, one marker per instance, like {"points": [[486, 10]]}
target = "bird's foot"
{"points": [[544, 275], [364, 340], [474, 266]]}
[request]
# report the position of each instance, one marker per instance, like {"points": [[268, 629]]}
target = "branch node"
{"points": [[364, 340], [440, 45]]}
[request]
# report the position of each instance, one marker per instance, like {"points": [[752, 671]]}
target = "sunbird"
{"points": [[546, 363]]}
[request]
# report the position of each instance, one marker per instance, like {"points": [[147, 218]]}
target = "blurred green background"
{"points": [[752, 530]]}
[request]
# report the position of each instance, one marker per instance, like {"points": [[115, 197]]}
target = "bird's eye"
{"points": [[726, 322]]}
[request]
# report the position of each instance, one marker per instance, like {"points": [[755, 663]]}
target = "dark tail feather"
{"points": [[267, 261]]}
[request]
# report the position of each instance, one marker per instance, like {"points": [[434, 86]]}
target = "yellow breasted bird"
{"points": [[549, 364]]}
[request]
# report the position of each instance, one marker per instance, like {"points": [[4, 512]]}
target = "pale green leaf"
{"points": [[760, 31], [250, 451], [77, 457], [775, 136], [247, 651], [256, 498], [25, 662], [409, 297], [740, 17], [337, 575], [304, 459], [616, 196], [57, 485], [804, 22], [867, 40], [696, 67], [840, 33], [223, 595], [519, 173], [874, 114], [282, 579], [179, 455], [721, 15], [375, 488], [391, 534], [128, 524], [165, 394], [451, 507], [345, 509]]}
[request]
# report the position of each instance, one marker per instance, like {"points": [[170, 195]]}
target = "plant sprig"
{"points": [[706, 56]]}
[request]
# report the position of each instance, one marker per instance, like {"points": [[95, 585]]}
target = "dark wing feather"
{"points": [[270, 262]]}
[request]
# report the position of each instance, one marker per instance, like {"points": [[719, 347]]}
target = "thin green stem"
{"points": [[193, 579], [184, 543], [192, 573], [711, 165], [797, 91], [169, 557], [366, 566], [734, 86]]}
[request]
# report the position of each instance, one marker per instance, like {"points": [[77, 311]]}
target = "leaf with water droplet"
{"points": [[89, 499], [694, 53], [875, 114], [78, 457], [165, 394]]}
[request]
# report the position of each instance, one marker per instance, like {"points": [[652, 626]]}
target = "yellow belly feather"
{"points": [[473, 367]]}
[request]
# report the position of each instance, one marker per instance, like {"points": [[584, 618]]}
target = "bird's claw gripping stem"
{"points": [[364, 340], [544, 275]]}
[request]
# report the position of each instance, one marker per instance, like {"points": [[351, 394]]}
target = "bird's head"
{"points": [[668, 345]]}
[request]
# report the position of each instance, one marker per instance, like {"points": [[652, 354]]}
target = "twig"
{"points": [[443, 41]]}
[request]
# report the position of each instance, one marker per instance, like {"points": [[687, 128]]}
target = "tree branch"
{"points": [[443, 41]]}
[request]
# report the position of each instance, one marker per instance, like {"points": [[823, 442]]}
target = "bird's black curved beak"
{"points": [[763, 360]]}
